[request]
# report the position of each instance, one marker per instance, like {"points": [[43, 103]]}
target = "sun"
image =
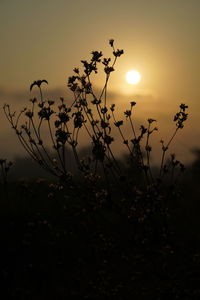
{"points": [[133, 77]]}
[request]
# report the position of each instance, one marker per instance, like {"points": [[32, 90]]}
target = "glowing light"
{"points": [[133, 77]]}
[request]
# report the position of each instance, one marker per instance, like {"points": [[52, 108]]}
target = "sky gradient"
{"points": [[47, 39]]}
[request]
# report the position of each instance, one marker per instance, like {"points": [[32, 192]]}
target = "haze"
{"points": [[161, 39]]}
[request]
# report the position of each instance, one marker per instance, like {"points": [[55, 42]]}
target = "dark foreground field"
{"points": [[63, 245]]}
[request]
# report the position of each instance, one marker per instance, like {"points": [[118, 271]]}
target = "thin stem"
{"points": [[131, 122], [55, 147], [122, 136], [41, 96], [164, 151]]}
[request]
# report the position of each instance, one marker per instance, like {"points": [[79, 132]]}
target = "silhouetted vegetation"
{"points": [[98, 226]]}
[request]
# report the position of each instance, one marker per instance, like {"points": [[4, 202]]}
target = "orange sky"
{"points": [[47, 39]]}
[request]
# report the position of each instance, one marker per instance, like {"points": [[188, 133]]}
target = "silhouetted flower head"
{"points": [[45, 113], [183, 106], [78, 119], [148, 148], [127, 113], [118, 123], [108, 70], [83, 102], [62, 136], [29, 114], [106, 61], [96, 56], [64, 117], [143, 130], [76, 70], [104, 110], [41, 104], [104, 124], [38, 83], [89, 67], [133, 103], [33, 100], [112, 108], [72, 84], [151, 121], [96, 101], [111, 42], [180, 118], [57, 123], [118, 53], [72, 79], [50, 102], [108, 139]]}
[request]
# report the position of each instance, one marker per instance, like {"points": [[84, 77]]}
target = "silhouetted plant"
{"points": [[31, 133], [89, 111]]}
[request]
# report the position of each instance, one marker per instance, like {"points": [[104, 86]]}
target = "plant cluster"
{"points": [[90, 112]]}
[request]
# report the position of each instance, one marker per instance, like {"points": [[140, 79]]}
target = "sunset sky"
{"points": [[46, 39]]}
